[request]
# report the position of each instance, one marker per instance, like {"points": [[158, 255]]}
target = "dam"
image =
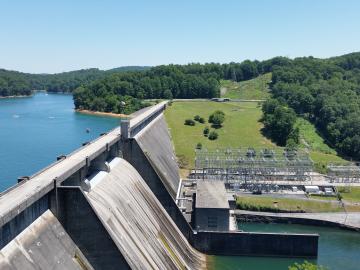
{"points": [[111, 205]]}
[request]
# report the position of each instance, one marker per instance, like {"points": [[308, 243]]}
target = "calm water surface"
{"points": [[338, 249], [35, 130]]}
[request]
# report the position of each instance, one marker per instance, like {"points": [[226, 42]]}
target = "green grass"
{"points": [[319, 151], [240, 129], [310, 138], [352, 196], [322, 160], [257, 88], [286, 204], [326, 158], [322, 197]]}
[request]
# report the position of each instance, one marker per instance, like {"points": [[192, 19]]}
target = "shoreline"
{"points": [[115, 115], [21, 96]]}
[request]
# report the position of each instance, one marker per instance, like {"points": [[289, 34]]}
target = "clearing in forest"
{"points": [[255, 89]]}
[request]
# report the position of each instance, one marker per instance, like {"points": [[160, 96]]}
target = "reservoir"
{"points": [[35, 130]]}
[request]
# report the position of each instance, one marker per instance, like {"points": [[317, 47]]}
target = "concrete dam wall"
{"points": [[111, 205], [155, 142], [43, 245], [138, 224], [152, 155]]}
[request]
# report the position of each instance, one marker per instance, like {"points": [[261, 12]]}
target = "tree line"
{"points": [[171, 81], [279, 123], [165, 82], [13, 83], [326, 92]]}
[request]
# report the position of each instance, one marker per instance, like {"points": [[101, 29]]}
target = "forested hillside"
{"points": [[186, 81], [13, 83], [170, 81], [327, 92], [324, 91]]}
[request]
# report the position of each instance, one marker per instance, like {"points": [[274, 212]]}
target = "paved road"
{"points": [[206, 100]]}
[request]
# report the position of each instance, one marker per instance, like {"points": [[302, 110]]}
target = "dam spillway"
{"points": [[138, 224]]}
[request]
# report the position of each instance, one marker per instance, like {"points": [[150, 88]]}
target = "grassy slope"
{"points": [[252, 89], [240, 129], [320, 152], [287, 204], [352, 196]]}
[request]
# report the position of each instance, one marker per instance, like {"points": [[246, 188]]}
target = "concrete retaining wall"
{"points": [[293, 220], [136, 157], [256, 244], [22, 220], [130, 128], [156, 144], [87, 231], [43, 245]]}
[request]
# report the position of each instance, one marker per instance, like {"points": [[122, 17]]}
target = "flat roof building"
{"points": [[211, 206]]}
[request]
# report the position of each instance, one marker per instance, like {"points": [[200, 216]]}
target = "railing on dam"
{"points": [[129, 128], [21, 195]]}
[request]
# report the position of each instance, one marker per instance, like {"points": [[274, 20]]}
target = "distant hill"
{"points": [[14, 83], [128, 68]]}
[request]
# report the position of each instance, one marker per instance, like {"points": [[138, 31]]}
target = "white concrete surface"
{"points": [[138, 224], [43, 245]]}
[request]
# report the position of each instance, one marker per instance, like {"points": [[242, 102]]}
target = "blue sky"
{"points": [[52, 36]]}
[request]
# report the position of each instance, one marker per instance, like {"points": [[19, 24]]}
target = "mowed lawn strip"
{"points": [[240, 129], [287, 204]]}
